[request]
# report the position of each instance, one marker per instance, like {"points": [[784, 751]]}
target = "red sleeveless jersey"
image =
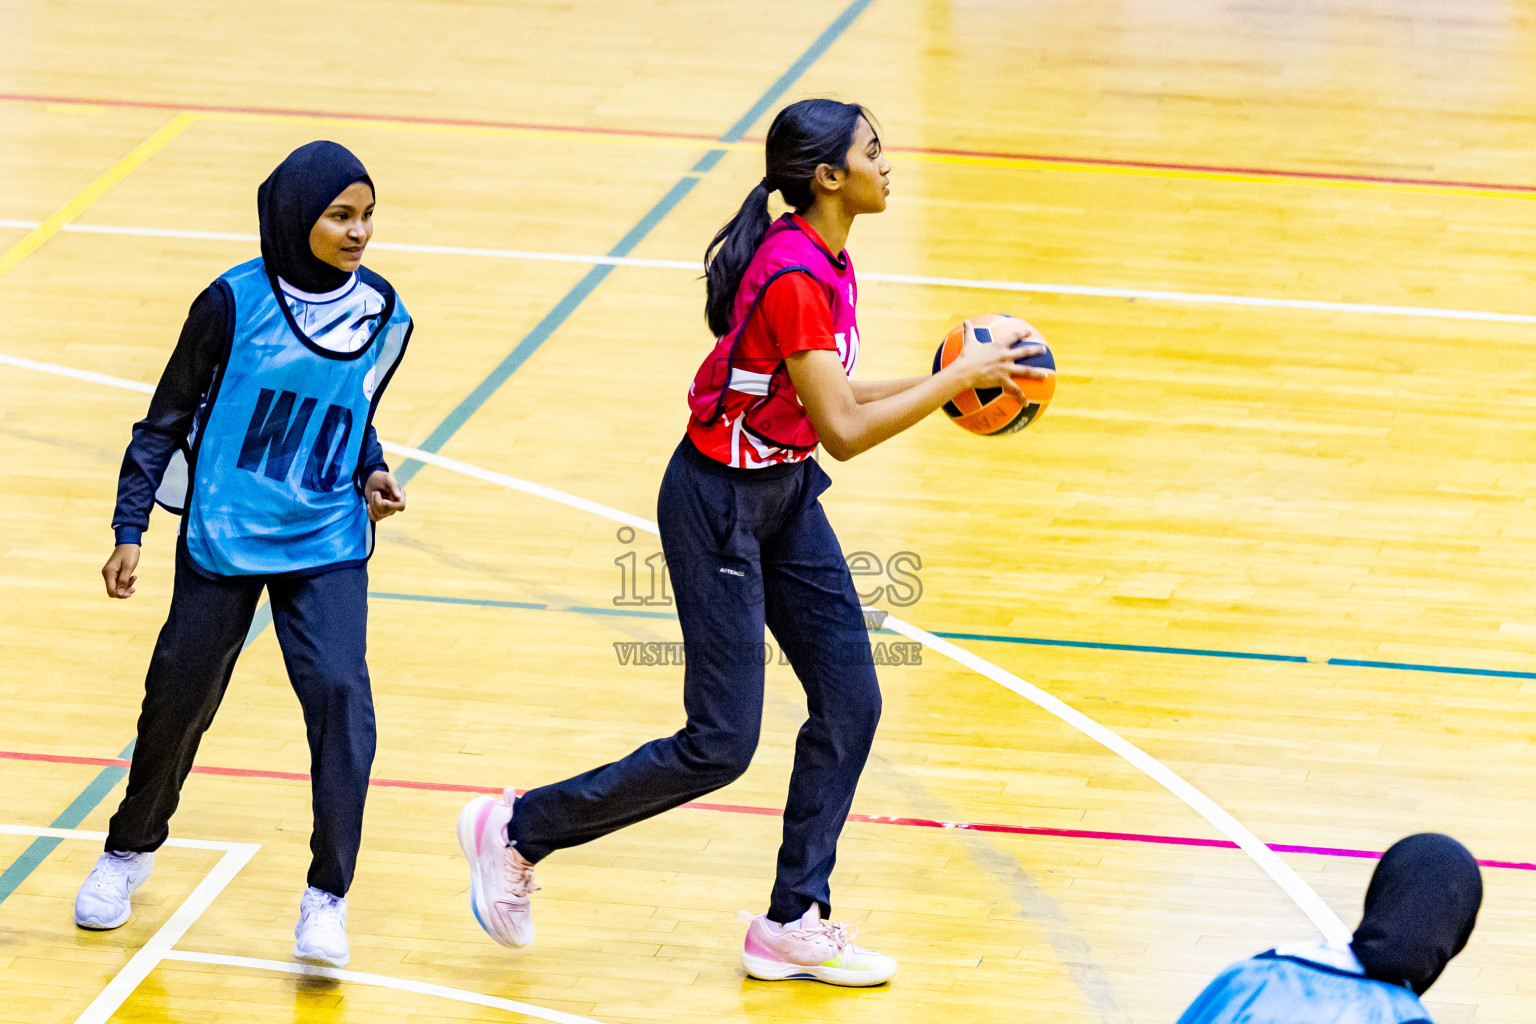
{"points": [[794, 297]]}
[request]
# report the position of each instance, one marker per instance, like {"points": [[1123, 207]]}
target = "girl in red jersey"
{"points": [[747, 544]]}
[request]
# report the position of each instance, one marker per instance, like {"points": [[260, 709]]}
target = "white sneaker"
{"points": [[102, 901], [500, 880], [320, 937]]}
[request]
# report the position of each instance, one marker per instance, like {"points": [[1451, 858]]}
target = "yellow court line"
{"points": [[95, 190]]}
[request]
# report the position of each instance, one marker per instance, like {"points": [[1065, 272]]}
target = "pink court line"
{"points": [[1081, 161], [773, 812]]}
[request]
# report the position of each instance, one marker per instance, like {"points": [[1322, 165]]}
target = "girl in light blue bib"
{"points": [[260, 434], [1420, 909]]}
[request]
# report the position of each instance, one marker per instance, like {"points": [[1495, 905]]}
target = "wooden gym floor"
{"points": [[1276, 531]]}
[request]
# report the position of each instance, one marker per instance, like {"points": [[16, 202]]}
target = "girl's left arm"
{"points": [[847, 427], [164, 428], [865, 391], [373, 455]]}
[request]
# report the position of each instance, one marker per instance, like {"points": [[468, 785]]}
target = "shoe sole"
{"points": [[469, 818], [107, 925], [318, 959], [776, 970]]}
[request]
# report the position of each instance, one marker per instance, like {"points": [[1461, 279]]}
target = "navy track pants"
{"points": [[744, 548], [322, 627]]}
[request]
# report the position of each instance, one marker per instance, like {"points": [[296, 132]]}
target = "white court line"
{"points": [[383, 981], [149, 956], [442, 462], [1210, 299], [80, 833], [433, 250], [139, 966], [1279, 872], [159, 947], [516, 484], [74, 374], [1031, 287]]}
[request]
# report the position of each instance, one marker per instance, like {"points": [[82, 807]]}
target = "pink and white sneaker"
{"points": [[810, 949], [500, 880]]}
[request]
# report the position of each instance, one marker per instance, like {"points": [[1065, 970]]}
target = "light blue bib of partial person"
{"points": [[274, 468], [1305, 983]]}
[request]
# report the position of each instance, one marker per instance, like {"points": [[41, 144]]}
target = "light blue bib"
{"points": [[273, 482], [1311, 984]]}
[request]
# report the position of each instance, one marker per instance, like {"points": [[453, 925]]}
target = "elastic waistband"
{"points": [[690, 451]]}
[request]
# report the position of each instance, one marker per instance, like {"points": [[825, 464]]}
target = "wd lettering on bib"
{"points": [[276, 435], [273, 482], [271, 426], [322, 469]]}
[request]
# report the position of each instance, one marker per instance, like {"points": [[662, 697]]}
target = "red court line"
{"points": [[871, 819], [1149, 165], [1053, 158], [445, 122]]}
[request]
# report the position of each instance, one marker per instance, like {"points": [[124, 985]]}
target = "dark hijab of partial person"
{"points": [[1419, 910], [290, 201]]}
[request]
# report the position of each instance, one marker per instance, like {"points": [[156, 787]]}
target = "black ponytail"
{"points": [[729, 252], [803, 136]]}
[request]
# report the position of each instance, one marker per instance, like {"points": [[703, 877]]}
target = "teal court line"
{"points": [[583, 288], [998, 638], [632, 613], [1449, 669], [38, 850], [103, 784], [1193, 652]]}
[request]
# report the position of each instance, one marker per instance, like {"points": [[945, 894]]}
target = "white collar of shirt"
{"points": [[1325, 954], [314, 297], [342, 320]]}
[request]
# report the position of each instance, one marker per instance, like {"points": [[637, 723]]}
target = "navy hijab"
{"points": [[1419, 910], [290, 201]]}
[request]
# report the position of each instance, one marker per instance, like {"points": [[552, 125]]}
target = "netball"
{"points": [[989, 411]]}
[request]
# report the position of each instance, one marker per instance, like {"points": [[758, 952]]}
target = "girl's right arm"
{"points": [[847, 427], [156, 437]]}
